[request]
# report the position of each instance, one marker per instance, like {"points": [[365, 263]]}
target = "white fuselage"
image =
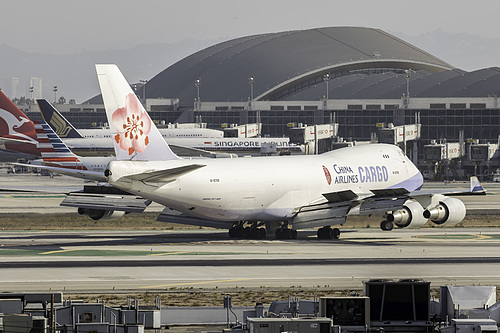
{"points": [[268, 188], [165, 132], [209, 144]]}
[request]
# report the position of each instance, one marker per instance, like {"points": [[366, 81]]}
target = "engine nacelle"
{"points": [[448, 211], [101, 214], [410, 216]]}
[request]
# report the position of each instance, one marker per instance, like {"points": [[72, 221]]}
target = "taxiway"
{"points": [[103, 261]]}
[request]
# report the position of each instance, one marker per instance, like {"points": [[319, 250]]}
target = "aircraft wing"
{"points": [[334, 207], [164, 175], [474, 189], [83, 174]]}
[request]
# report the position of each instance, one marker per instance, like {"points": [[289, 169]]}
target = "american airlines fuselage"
{"points": [[268, 188]]}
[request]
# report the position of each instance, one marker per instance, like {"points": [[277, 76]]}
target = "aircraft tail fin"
{"points": [[135, 136], [62, 127], [52, 148], [475, 185], [15, 125]]}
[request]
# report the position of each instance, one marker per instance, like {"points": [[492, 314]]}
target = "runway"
{"points": [[107, 261], [162, 260]]}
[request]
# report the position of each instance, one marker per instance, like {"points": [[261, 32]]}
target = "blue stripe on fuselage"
{"points": [[413, 183]]}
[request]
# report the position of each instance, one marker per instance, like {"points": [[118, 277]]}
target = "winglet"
{"points": [[62, 127], [475, 185], [135, 136]]}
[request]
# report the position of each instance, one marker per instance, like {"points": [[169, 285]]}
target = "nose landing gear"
{"points": [[386, 225]]}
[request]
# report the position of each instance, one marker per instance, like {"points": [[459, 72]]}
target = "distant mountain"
{"points": [[74, 75], [75, 78], [464, 51]]}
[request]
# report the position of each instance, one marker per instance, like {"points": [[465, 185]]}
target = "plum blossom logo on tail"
{"points": [[132, 125]]}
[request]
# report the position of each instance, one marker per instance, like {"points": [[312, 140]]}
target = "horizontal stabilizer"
{"points": [[82, 174], [125, 203], [165, 175]]}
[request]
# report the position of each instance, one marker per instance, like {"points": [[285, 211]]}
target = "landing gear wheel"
{"points": [[262, 233], [324, 233], [386, 225], [335, 233], [236, 232], [247, 233], [285, 233], [328, 233]]}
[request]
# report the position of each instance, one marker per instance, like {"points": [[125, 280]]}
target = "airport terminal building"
{"points": [[360, 78]]}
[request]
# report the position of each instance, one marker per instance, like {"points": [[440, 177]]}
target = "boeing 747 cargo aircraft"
{"points": [[281, 193]]}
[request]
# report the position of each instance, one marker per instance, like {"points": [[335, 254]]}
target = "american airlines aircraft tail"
{"points": [[256, 196], [17, 132], [58, 158]]}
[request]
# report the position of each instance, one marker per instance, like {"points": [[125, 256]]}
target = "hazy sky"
{"points": [[66, 26], [465, 34]]}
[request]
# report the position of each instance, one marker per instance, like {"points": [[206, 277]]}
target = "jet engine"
{"points": [[101, 214], [448, 211], [411, 215]]}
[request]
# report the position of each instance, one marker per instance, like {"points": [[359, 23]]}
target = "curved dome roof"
{"points": [[292, 63], [390, 85]]}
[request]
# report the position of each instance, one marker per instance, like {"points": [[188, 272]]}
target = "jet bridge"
{"points": [[316, 138]]}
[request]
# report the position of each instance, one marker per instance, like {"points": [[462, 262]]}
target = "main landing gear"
{"points": [[285, 233], [328, 233], [253, 232]]}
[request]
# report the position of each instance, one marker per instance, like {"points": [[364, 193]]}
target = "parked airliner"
{"points": [[58, 158], [201, 140], [281, 193], [17, 133]]}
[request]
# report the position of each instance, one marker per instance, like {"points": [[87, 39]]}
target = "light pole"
{"points": [[326, 78], [55, 94], [144, 89], [251, 81], [197, 83], [31, 94], [407, 76]]}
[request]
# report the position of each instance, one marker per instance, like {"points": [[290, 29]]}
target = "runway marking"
{"points": [[458, 236], [192, 283], [59, 251], [171, 253]]}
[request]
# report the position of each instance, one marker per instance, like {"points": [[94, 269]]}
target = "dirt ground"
{"points": [[147, 221]]}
